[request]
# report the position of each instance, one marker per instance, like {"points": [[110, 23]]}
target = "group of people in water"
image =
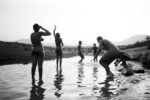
{"points": [[81, 51], [112, 51]]}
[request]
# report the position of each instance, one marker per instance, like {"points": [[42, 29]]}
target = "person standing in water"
{"points": [[38, 50], [112, 53], [80, 52], [94, 48], [59, 45]]}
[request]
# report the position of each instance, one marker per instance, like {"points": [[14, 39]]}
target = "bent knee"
{"points": [[103, 63], [82, 57], [34, 64]]}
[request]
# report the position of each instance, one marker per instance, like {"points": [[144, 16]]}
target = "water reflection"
{"points": [[95, 71], [80, 81], [95, 77], [58, 81], [106, 90], [37, 92], [80, 75]]}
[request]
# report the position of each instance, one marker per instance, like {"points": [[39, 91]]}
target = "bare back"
{"points": [[58, 42], [107, 45], [36, 39]]}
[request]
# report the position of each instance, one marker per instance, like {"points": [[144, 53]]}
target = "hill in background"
{"points": [[27, 41], [132, 40], [128, 41]]}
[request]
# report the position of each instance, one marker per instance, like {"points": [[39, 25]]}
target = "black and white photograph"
{"points": [[74, 49]]}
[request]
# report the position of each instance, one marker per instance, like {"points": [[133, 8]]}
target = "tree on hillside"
{"points": [[147, 38], [148, 42]]}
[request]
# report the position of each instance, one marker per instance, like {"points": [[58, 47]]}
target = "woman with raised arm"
{"points": [[59, 45]]}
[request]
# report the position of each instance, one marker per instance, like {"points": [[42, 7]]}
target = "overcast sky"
{"points": [[75, 19]]}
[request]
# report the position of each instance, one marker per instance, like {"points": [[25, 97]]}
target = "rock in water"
{"points": [[127, 72], [139, 71]]}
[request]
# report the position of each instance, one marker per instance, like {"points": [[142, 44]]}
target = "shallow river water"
{"points": [[72, 81]]}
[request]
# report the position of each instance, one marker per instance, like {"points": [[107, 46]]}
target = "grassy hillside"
{"points": [[13, 52], [141, 54]]}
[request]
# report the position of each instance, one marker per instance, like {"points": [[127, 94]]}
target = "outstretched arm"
{"points": [[89, 50], [54, 31], [62, 43], [99, 50], [46, 33], [82, 50]]}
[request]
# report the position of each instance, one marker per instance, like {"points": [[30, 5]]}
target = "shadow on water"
{"points": [[37, 92], [58, 81]]}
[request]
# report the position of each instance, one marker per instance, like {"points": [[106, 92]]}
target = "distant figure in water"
{"points": [[112, 53], [59, 45], [80, 52], [38, 50], [94, 48]]}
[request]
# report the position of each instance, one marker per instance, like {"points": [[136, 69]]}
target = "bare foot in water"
{"points": [[79, 62], [33, 82], [110, 75], [40, 82]]}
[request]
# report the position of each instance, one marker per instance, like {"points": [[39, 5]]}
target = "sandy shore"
{"points": [[137, 86]]}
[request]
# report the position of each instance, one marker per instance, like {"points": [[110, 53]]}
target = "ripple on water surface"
{"points": [[72, 80]]}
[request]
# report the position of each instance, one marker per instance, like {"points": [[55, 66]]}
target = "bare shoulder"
{"points": [[105, 41], [32, 34]]}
